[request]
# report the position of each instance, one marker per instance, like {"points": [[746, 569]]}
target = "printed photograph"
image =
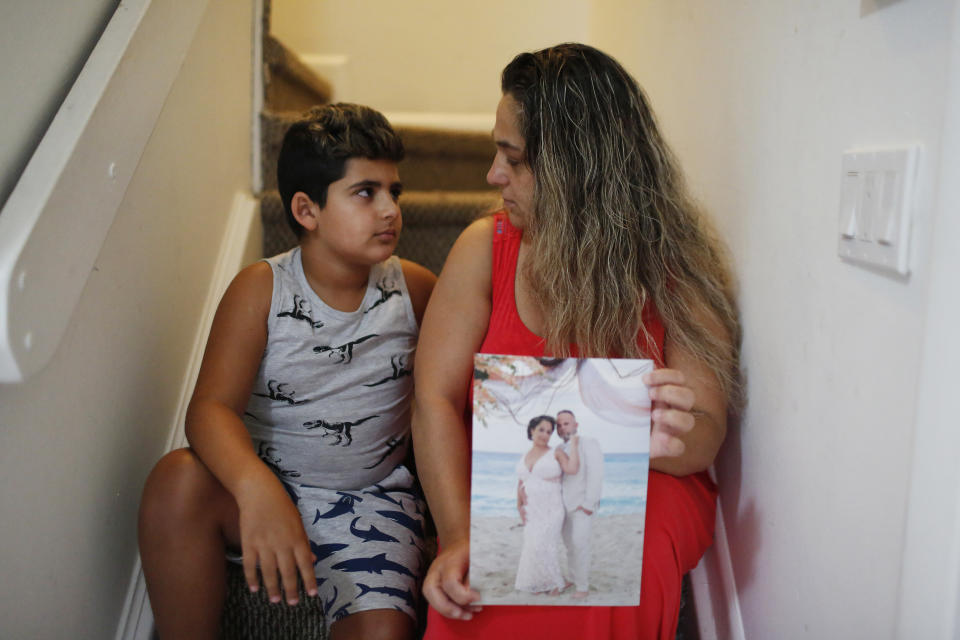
{"points": [[561, 450]]}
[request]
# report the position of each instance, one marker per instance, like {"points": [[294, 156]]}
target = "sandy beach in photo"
{"points": [[495, 543]]}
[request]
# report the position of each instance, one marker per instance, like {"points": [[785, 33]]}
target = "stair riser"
{"points": [[418, 173]]}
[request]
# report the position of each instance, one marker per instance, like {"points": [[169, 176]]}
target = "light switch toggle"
{"points": [[848, 205], [876, 207]]}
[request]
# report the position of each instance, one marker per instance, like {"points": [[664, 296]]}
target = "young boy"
{"points": [[299, 422]]}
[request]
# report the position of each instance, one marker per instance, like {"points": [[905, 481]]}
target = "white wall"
{"points": [[78, 439], [40, 65], [760, 99], [930, 585], [430, 55]]}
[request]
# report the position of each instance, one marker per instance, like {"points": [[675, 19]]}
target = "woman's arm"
{"points": [[569, 464], [271, 532], [453, 328], [689, 418]]}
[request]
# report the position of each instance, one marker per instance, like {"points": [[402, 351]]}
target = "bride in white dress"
{"points": [[541, 509]]}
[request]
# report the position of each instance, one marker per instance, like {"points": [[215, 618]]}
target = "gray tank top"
{"points": [[330, 405]]}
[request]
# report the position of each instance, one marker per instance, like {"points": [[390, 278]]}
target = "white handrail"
{"points": [[57, 216]]}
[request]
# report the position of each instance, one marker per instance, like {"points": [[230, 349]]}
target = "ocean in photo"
{"points": [[494, 487]]}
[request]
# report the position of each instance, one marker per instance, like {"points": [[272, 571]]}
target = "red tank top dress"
{"points": [[679, 523]]}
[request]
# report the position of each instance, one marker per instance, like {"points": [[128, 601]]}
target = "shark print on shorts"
{"points": [[367, 560]]}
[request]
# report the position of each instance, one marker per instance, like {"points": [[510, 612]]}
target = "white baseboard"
{"points": [[239, 246], [715, 590]]}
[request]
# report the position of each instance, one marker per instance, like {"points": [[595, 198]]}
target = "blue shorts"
{"points": [[369, 544]]}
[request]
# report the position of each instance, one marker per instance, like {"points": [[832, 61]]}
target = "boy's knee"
{"points": [[179, 486], [375, 624]]}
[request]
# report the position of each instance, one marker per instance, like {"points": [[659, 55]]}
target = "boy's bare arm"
{"points": [[230, 361], [271, 532], [420, 281]]}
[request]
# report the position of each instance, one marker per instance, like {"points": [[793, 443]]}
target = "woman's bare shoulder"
{"points": [[476, 238], [470, 259]]}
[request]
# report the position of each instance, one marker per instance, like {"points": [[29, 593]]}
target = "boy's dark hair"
{"points": [[316, 148]]}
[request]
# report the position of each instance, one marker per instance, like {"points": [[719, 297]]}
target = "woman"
{"points": [[599, 252], [541, 509]]}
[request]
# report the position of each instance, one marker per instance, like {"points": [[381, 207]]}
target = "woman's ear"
{"points": [[304, 210]]}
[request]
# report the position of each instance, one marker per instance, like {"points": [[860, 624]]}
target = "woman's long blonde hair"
{"points": [[614, 228]]}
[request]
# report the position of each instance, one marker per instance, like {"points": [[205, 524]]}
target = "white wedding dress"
{"points": [[539, 567]]}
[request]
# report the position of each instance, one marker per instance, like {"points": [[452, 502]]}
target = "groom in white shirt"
{"points": [[581, 495]]}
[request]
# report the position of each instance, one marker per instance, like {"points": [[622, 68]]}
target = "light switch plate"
{"points": [[876, 207]]}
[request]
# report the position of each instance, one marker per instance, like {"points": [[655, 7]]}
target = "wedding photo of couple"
{"points": [[558, 483], [558, 492]]}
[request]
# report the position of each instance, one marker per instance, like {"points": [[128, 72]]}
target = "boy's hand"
{"points": [[272, 535]]}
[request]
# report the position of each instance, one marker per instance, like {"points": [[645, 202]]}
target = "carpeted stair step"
{"points": [[432, 220], [435, 158], [289, 84], [445, 159]]}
